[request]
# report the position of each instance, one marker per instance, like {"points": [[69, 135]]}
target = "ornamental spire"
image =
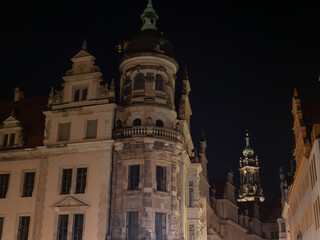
{"points": [[248, 151], [149, 18], [84, 45]]}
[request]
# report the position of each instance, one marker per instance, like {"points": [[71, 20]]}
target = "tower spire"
{"points": [[149, 18], [248, 151]]}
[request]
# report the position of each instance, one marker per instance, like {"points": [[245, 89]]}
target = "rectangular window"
{"points": [[160, 226], [77, 229], [4, 183], [12, 137], [161, 178], [62, 232], [134, 174], [66, 181], [64, 131], [1, 226], [283, 227], [132, 225], [5, 140], [23, 231], [81, 180], [91, 129], [28, 184]]}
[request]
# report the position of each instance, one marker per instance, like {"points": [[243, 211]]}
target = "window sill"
{"points": [[162, 193]]}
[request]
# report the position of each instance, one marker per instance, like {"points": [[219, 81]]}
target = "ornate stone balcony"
{"points": [[148, 131]]}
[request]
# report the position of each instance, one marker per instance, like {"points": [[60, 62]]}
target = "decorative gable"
{"points": [[11, 132], [70, 204]]}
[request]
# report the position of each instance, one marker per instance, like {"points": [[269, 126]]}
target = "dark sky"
{"points": [[244, 58]]}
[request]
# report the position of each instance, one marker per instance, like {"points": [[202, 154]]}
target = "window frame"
{"points": [[137, 122], [81, 179], [62, 227], [71, 231], [23, 230], [158, 84], [78, 228], [66, 184], [133, 177], [94, 130], [4, 188], [132, 225], [5, 140], [162, 219], [28, 187], [161, 178], [1, 226], [139, 83], [60, 125], [159, 123]]}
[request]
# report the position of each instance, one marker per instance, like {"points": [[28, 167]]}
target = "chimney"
{"points": [[18, 94]]}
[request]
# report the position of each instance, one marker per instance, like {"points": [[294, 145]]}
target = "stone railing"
{"points": [[148, 131]]}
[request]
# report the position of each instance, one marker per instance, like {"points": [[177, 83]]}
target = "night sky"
{"points": [[244, 59]]}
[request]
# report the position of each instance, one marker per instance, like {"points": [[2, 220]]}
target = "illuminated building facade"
{"points": [[74, 165], [82, 164], [300, 200]]}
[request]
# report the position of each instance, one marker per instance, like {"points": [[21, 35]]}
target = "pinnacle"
{"points": [[84, 45]]}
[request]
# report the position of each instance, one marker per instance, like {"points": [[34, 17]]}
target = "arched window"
{"points": [[159, 82], [138, 82], [159, 123], [76, 95], [137, 122], [84, 94]]}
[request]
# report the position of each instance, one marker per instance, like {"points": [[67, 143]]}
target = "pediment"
{"points": [[11, 122], [82, 54], [70, 202]]}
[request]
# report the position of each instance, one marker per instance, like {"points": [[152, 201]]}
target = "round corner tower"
{"points": [[149, 147]]}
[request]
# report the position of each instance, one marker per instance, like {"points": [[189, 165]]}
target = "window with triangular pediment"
{"points": [[11, 133]]}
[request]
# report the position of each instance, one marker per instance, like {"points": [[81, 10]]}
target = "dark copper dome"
{"points": [[148, 41]]}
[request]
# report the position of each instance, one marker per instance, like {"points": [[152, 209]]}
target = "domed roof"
{"points": [[148, 41]]}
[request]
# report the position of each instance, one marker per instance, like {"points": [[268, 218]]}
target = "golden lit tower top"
{"points": [[250, 188]]}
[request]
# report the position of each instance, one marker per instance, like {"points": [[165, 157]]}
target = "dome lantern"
{"points": [[149, 18]]}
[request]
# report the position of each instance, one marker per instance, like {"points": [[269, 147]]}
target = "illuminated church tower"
{"points": [[250, 189]]}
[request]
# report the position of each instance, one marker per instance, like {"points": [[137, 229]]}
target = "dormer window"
{"points": [[10, 133], [138, 82], [76, 95], [84, 94], [5, 140]]}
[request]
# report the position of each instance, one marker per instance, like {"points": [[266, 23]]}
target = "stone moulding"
{"points": [[148, 131]]}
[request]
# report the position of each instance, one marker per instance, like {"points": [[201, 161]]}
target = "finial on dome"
{"points": [[149, 18], [84, 45]]}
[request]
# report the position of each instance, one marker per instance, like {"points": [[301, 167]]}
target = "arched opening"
{"points": [[138, 82], [137, 122], [76, 95], [159, 82], [84, 94], [159, 123]]}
